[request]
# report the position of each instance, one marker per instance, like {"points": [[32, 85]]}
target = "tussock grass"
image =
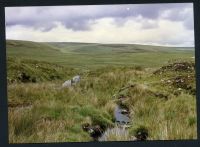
{"points": [[41, 111], [27, 70], [57, 114], [116, 134]]}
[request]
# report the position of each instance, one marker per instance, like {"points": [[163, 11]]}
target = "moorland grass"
{"points": [[94, 56], [55, 114], [42, 111]]}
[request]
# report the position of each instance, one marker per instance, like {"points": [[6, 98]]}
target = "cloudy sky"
{"points": [[155, 24]]}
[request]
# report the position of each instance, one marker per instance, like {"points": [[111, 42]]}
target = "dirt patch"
{"points": [[19, 105], [161, 95], [179, 66], [25, 78], [182, 82], [141, 134], [95, 131]]}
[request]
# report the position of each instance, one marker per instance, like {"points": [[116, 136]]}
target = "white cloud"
{"points": [[159, 24], [105, 30]]}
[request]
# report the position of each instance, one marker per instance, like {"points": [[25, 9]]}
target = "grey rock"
{"points": [[67, 83], [76, 79]]}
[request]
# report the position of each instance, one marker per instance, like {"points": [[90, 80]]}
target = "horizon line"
{"points": [[101, 43]]}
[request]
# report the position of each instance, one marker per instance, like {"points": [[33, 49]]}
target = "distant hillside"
{"points": [[93, 55], [120, 48], [29, 48], [26, 47]]}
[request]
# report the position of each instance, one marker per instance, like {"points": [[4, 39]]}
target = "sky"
{"points": [[153, 24]]}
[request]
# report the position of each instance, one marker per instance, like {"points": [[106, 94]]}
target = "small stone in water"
{"points": [[124, 111]]}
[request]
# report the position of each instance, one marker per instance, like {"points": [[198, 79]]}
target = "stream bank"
{"points": [[119, 132]]}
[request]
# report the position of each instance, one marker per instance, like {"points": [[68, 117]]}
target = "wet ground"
{"points": [[121, 116]]}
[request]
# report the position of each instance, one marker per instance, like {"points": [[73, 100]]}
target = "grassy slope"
{"points": [[57, 114], [90, 56], [27, 70]]}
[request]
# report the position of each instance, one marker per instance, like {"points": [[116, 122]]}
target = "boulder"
{"points": [[124, 111], [71, 82], [76, 79], [67, 83]]}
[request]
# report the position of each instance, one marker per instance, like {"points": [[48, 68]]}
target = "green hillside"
{"points": [[27, 70], [108, 48], [89, 55]]}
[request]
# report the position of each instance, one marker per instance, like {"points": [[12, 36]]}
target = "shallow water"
{"points": [[121, 118]]}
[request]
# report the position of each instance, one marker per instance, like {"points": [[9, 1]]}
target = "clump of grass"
{"points": [[32, 71], [192, 121], [97, 117], [115, 134], [110, 107], [140, 68], [140, 132], [147, 109], [24, 126]]}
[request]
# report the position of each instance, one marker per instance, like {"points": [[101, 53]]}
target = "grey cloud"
{"points": [[183, 15], [44, 27], [78, 17], [149, 25], [189, 24], [77, 24]]}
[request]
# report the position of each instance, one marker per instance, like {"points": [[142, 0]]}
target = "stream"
{"points": [[122, 120], [120, 117]]}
